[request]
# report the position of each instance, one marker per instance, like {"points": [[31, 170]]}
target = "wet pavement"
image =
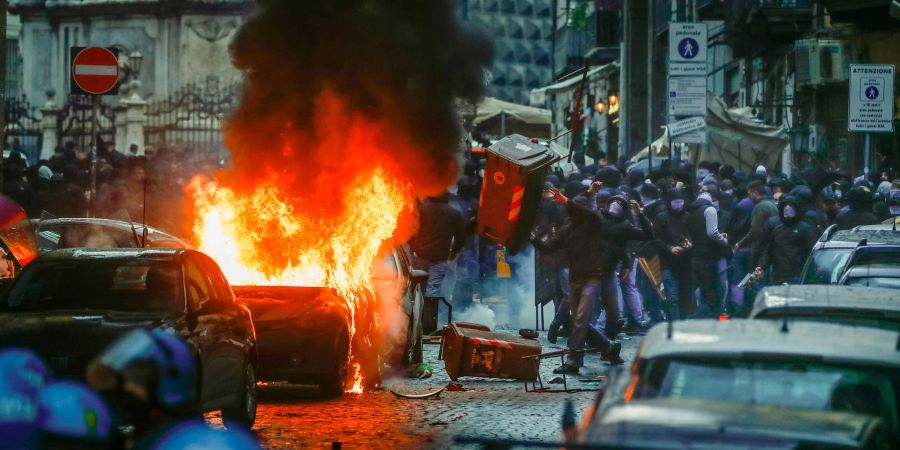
{"points": [[295, 416]]}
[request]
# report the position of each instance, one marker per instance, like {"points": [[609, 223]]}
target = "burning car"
{"points": [[76, 232], [68, 305], [306, 334]]}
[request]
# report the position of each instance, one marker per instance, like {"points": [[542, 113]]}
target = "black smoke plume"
{"points": [[314, 69]]}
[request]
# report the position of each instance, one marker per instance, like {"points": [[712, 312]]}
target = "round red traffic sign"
{"points": [[95, 70]]}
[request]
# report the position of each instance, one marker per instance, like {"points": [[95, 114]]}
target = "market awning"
{"points": [[572, 82], [735, 138], [495, 116]]}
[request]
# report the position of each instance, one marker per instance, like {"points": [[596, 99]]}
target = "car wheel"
{"points": [[243, 411], [333, 383], [413, 353]]}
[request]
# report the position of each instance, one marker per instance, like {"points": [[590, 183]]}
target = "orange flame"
{"points": [[237, 230]]}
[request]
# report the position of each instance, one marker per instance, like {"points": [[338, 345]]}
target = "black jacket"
{"points": [[579, 239], [854, 218], [441, 230], [704, 246], [671, 230], [617, 236], [784, 244], [592, 242], [652, 212]]}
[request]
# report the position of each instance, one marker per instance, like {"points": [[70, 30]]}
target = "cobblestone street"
{"points": [[294, 416]]}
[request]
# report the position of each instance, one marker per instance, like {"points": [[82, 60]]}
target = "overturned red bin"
{"points": [[511, 192], [472, 350]]}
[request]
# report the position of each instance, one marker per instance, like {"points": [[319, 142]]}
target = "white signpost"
{"points": [[687, 96], [687, 42], [687, 82], [686, 126], [871, 105]]}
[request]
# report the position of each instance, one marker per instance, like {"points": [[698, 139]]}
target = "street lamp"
{"points": [[135, 59], [132, 70]]}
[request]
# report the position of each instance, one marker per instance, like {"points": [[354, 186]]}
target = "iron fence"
{"points": [[191, 117], [74, 124], [23, 128]]}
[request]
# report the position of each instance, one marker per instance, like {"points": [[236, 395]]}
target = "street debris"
{"points": [[419, 370], [424, 396], [455, 387]]}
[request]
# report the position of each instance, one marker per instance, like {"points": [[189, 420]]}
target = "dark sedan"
{"points": [[68, 305], [304, 332]]}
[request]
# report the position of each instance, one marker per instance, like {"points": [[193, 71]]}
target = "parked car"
{"points": [[304, 332], [829, 256], [849, 305], [666, 423], [68, 305], [790, 364], [872, 275], [77, 232]]}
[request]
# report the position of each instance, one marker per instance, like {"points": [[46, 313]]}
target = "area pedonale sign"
{"points": [[94, 71]]}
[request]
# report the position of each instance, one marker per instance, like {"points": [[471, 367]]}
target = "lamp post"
{"points": [[135, 59]]}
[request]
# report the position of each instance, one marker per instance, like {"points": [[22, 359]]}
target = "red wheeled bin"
{"points": [[511, 191], [472, 350]]}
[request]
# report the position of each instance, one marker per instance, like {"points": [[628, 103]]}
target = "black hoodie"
{"points": [[579, 239], [860, 212], [670, 230], [785, 243]]}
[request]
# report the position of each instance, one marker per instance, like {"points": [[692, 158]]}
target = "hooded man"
{"points": [[859, 201], [593, 244], [671, 237], [807, 202], [785, 243], [579, 240], [830, 207], [709, 247]]}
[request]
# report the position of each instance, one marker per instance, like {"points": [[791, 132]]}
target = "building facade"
{"points": [[788, 60], [180, 42], [523, 43]]}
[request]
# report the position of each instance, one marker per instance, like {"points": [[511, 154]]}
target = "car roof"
{"points": [[826, 296], [700, 418], [104, 253], [873, 234], [739, 338]]}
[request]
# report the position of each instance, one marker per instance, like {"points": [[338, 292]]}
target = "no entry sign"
{"points": [[95, 71]]}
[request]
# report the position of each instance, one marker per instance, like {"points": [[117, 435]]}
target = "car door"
{"points": [[217, 339]]}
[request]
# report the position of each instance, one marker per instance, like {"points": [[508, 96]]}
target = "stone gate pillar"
{"points": [[130, 129], [49, 126]]}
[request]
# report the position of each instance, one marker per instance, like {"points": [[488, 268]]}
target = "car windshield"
{"points": [[794, 384], [825, 265], [130, 285], [882, 282]]}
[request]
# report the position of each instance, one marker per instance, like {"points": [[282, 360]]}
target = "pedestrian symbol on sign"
{"points": [[872, 93], [687, 48]]}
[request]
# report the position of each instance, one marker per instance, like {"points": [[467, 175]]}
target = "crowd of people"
{"points": [[139, 393], [628, 249], [710, 228], [131, 186]]}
